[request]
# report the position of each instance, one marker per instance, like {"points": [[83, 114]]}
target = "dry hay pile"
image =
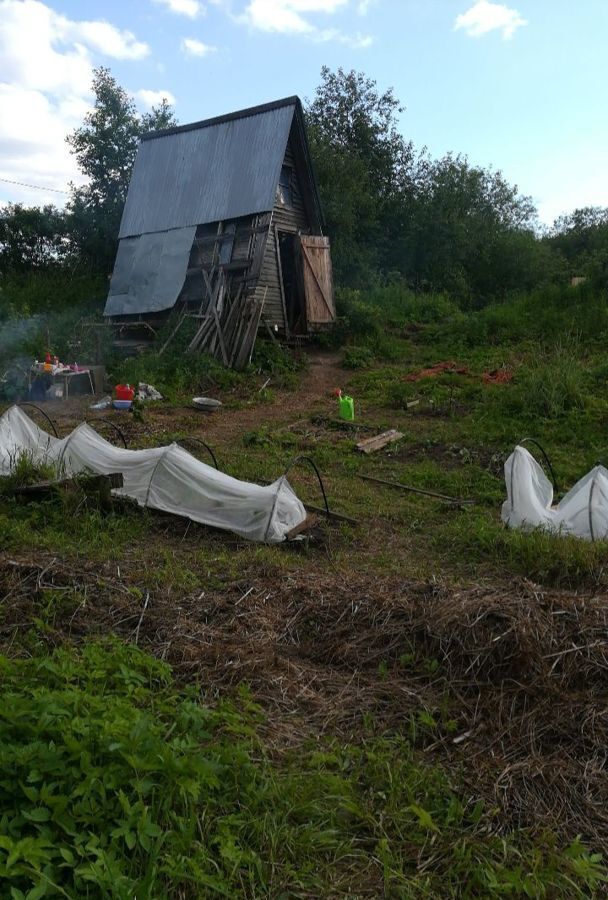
{"points": [[516, 678]]}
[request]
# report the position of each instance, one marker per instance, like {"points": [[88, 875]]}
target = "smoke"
{"points": [[18, 338]]}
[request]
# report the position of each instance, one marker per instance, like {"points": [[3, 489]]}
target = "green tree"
{"points": [[470, 232], [581, 241], [391, 211], [362, 164], [105, 147], [32, 238]]}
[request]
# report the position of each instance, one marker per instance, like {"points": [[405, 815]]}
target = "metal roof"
{"points": [[217, 169], [149, 272]]}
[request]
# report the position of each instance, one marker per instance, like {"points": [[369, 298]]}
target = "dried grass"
{"points": [[516, 677]]}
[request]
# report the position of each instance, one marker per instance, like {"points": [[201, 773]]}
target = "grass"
{"points": [[116, 783], [146, 760], [179, 375], [25, 471], [55, 525]]}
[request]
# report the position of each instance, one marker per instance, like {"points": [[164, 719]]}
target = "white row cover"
{"points": [[166, 478], [583, 511]]}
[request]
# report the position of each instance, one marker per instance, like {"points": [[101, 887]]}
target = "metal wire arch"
{"points": [[531, 440], [119, 431]]}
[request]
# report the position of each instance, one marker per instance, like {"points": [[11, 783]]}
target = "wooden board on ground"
{"points": [[456, 501], [99, 486], [370, 445], [306, 525]]}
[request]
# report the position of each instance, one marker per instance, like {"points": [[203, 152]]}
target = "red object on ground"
{"points": [[441, 368], [124, 392], [498, 376]]}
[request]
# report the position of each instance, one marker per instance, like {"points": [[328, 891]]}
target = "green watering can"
{"points": [[346, 406]]}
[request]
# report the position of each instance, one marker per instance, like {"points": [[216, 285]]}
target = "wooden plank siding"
{"points": [[247, 246], [204, 253], [284, 218]]}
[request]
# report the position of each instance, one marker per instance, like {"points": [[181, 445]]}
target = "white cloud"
{"points": [[104, 38], [357, 41], [148, 98], [298, 17], [287, 16], [190, 8], [46, 62], [485, 16], [192, 47]]}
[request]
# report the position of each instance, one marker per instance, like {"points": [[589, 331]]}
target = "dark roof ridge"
{"points": [[229, 117]]}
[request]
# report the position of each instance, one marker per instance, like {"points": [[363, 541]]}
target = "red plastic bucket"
{"points": [[124, 392]]}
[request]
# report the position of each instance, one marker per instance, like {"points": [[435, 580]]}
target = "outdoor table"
{"points": [[61, 376]]}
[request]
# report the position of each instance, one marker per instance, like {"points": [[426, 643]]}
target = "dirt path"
{"points": [[312, 396]]}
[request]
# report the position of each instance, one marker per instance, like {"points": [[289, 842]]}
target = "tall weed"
{"points": [[547, 315], [393, 306], [547, 385]]}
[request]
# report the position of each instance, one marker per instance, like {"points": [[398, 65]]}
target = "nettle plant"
{"points": [[102, 765]]}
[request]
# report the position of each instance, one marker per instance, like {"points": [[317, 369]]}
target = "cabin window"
{"points": [[284, 193]]}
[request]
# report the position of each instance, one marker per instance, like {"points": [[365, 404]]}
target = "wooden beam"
{"points": [[281, 285], [305, 525], [371, 444], [235, 266], [99, 486], [180, 322]]}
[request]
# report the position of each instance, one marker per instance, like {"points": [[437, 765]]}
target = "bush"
{"points": [[550, 314], [48, 291], [395, 306], [357, 358], [548, 386], [360, 319]]}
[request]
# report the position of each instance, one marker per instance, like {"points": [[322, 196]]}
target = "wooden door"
{"points": [[318, 281]]}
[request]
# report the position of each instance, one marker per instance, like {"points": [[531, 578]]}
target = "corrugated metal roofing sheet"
{"points": [[149, 272], [202, 174]]}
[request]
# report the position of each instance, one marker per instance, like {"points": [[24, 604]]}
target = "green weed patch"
{"points": [[114, 783]]}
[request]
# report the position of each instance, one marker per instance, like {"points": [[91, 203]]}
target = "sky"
{"points": [[517, 87]]}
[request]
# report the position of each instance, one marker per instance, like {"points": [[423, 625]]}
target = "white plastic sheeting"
{"points": [[583, 511], [166, 478]]}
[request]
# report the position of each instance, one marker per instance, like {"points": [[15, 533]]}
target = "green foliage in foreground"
{"points": [[115, 784], [26, 471], [179, 374]]}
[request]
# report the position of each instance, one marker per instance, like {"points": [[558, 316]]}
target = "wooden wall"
{"points": [[292, 219], [284, 218]]}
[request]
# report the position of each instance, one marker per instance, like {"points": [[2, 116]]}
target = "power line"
{"points": [[36, 187]]}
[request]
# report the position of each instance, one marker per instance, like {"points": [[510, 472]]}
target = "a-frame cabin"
{"points": [[221, 211]]}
